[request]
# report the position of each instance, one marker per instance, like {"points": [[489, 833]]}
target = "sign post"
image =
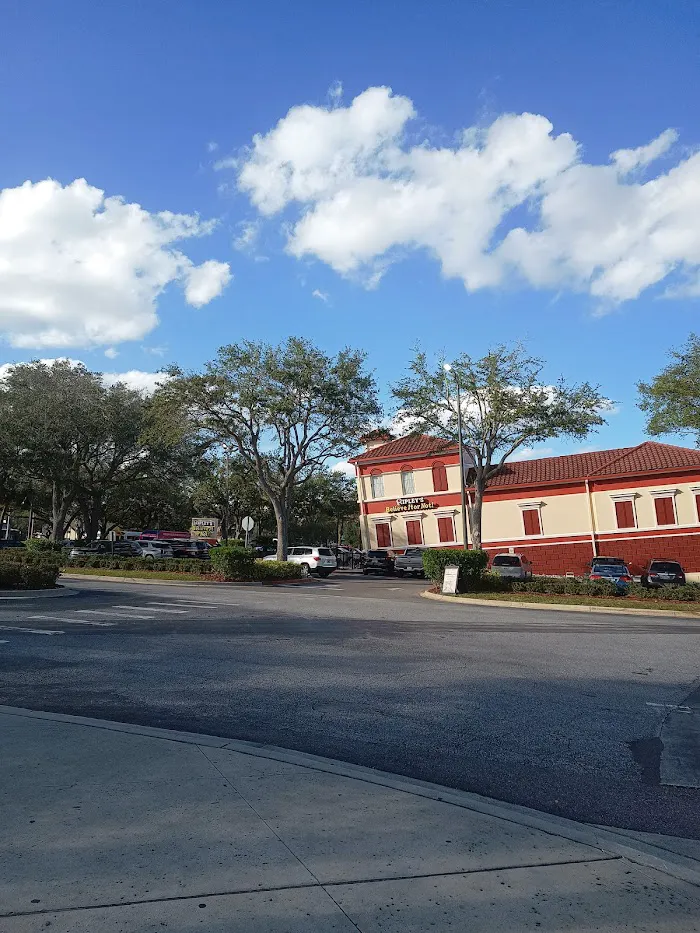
{"points": [[247, 524], [450, 580]]}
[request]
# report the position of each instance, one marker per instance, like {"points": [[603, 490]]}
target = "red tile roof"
{"points": [[648, 457], [405, 446]]}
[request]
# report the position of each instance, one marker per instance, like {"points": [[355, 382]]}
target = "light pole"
{"points": [[462, 479]]}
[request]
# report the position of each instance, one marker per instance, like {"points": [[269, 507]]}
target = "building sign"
{"points": [[411, 504], [205, 528]]}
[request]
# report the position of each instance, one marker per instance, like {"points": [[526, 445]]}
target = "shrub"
{"points": [[687, 594], [27, 576], [277, 570], [472, 565], [566, 586], [235, 563], [169, 564], [42, 546]]}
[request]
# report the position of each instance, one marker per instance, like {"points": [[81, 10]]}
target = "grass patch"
{"points": [[140, 574], [622, 602]]}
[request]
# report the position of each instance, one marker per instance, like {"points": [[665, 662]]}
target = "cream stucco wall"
{"points": [[644, 505], [422, 481], [559, 515]]}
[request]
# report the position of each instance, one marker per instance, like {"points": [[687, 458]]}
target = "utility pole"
{"points": [[460, 440]]}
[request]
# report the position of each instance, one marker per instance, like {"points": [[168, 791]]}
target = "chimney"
{"points": [[376, 438]]}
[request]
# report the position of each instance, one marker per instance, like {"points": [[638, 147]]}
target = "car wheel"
{"points": [[324, 573], [399, 573], [305, 570], [365, 573], [148, 557]]}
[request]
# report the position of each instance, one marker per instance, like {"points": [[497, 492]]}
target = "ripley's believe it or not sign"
{"points": [[411, 504]]}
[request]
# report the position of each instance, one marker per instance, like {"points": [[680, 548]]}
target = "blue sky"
{"points": [[359, 220]]}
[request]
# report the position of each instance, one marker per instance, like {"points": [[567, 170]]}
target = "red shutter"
{"points": [[439, 477], [383, 535], [624, 511], [413, 532], [664, 510], [697, 506], [531, 521], [446, 530]]}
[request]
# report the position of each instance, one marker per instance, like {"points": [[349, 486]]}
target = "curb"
{"points": [[678, 866], [41, 594], [466, 601], [108, 579]]}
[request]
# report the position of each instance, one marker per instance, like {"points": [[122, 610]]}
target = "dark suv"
{"points": [[378, 562], [663, 573]]}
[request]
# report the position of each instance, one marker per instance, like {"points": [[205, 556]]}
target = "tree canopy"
{"points": [[506, 404], [672, 400]]}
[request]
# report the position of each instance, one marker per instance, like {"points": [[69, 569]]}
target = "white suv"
{"points": [[320, 560]]}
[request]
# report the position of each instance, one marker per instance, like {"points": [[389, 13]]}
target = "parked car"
{"points": [[514, 566], [155, 550], [607, 562], [10, 542], [411, 561], [663, 573], [193, 548], [320, 560], [617, 573], [378, 562], [107, 548]]}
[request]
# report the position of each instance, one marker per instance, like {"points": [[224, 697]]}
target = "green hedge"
{"points": [[171, 564], [472, 565], [566, 586], [43, 546], [17, 576], [233, 562], [277, 570]]}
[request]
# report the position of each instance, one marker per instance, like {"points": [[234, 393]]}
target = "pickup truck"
{"points": [[411, 561]]}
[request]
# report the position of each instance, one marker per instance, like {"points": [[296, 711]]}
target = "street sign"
{"points": [[247, 524], [450, 580]]}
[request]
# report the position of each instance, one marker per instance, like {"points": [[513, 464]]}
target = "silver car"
{"points": [[514, 566], [155, 550], [411, 561]]}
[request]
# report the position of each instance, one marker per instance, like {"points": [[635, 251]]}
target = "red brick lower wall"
{"points": [[575, 556]]}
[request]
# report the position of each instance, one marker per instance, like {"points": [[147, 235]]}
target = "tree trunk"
{"points": [[59, 511], [475, 511], [282, 519]]}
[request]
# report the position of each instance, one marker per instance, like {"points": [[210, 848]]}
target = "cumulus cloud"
{"points": [[111, 353], [78, 268], [347, 469], [134, 378], [510, 202], [322, 296], [247, 236]]}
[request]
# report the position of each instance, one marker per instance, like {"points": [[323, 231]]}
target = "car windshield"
{"points": [[506, 560], [376, 553], [611, 570], [665, 566]]}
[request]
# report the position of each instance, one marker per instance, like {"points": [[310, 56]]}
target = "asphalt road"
{"points": [[557, 711]]}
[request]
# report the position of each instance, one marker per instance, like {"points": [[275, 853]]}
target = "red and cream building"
{"points": [[638, 503]]}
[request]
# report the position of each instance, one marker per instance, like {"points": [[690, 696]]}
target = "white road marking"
{"points": [[30, 631], [63, 620], [150, 609], [118, 615], [189, 605], [678, 709], [4, 641]]}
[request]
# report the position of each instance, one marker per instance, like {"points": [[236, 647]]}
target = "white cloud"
{"points": [[212, 146], [204, 282], [322, 296], [365, 195], [155, 351], [111, 353], [247, 237], [347, 469], [533, 453], [134, 378], [81, 269]]}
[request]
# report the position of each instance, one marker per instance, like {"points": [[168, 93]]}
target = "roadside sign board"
{"points": [[205, 528], [450, 580]]}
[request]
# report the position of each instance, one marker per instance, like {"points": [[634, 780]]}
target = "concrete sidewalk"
{"points": [[107, 827]]}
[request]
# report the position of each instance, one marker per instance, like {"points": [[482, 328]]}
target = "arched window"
{"points": [[439, 477], [408, 487], [377, 482]]}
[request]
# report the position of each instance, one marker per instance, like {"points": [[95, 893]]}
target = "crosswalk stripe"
{"points": [[63, 620], [118, 615], [30, 631], [193, 605], [150, 609]]}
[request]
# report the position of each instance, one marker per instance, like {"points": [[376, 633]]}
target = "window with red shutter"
{"points": [[697, 506], [665, 514], [413, 532], [531, 521], [624, 512], [446, 529], [439, 477], [383, 535]]}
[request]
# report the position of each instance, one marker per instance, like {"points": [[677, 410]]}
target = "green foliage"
{"points": [[17, 555], [566, 586], [43, 545], [686, 594], [276, 570], [472, 565], [672, 400], [26, 576], [233, 562], [169, 564]]}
